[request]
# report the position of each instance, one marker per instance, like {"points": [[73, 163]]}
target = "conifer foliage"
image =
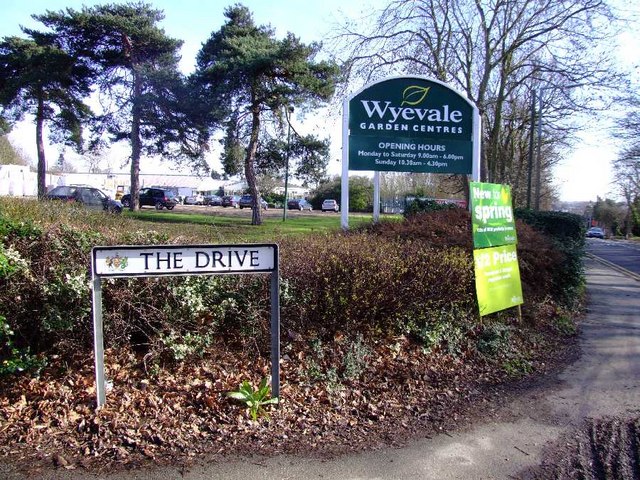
{"points": [[248, 78]]}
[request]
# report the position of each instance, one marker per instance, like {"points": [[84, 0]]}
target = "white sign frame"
{"points": [[344, 198], [124, 261]]}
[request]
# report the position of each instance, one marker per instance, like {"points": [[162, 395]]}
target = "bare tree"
{"points": [[497, 53], [626, 167]]}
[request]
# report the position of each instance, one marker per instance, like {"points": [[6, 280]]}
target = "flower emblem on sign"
{"points": [[117, 262], [504, 195], [413, 95]]}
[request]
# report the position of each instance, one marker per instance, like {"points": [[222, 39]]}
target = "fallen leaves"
{"points": [[182, 412]]}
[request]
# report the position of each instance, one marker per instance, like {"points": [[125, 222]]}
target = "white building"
{"points": [[18, 180]]}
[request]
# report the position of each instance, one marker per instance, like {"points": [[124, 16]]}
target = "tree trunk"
{"points": [[629, 215], [42, 163], [249, 168], [136, 144]]}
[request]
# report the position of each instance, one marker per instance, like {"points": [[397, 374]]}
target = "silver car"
{"points": [[330, 205]]}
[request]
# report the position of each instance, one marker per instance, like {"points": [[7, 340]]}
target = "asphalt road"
{"points": [[604, 381], [623, 253]]}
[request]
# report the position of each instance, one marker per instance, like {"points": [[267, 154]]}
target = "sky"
{"points": [[193, 21], [583, 174]]}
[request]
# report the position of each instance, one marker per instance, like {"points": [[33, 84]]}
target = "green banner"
{"points": [[410, 124], [498, 283], [492, 218]]}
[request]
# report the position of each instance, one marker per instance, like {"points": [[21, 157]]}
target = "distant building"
{"points": [[18, 180]]}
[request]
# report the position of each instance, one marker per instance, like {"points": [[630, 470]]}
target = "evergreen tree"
{"points": [[146, 99], [38, 77], [249, 80], [9, 155]]}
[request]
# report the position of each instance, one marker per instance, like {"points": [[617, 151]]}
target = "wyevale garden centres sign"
{"points": [[411, 124], [408, 124], [417, 124]]}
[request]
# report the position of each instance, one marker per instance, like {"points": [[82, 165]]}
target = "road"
{"points": [[621, 253], [604, 381]]}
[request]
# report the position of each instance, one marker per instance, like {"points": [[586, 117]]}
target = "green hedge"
{"points": [[560, 225], [567, 230], [412, 278], [425, 205]]}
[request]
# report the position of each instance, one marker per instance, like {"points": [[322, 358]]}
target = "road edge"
{"points": [[618, 268]]}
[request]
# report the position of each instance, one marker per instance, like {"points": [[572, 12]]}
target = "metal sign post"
{"points": [[170, 260]]}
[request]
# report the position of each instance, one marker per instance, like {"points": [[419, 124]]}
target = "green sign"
{"points": [[492, 219], [497, 278], [410, 124]]}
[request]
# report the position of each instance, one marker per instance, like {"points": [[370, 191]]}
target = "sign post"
{"points": [[171, 260], [409, 124]]}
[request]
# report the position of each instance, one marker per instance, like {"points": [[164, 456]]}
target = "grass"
{"points": [[225, 227], [212, 225]]}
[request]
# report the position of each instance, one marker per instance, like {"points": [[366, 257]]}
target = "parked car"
{"points": [[247, 201], [213, 200], [194, 200], [154, 197], [595, 232], [299, 204], [230, 201], [90, 197], [330, 205]]}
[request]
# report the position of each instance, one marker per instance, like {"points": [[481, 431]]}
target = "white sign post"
{"points": [[170, 260]]}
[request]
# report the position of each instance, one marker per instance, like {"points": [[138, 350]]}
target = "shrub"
{"points": [[547, 268], [412, 278], [567, 231], [360, 282], [562, 226], [178, 317], [14, 359], [422, 205], [494, 338]]}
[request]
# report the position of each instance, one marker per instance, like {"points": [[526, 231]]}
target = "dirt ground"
{"points": [[600, 448]]}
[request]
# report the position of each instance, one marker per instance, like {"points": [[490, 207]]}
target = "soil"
{"points": [[49, 422], [605, 448]]}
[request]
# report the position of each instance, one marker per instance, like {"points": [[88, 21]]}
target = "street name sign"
{"points": [[164, 260]]}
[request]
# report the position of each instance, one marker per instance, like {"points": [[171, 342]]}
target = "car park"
{"points": [[90, 197], [330, 205], [595, 232], [154, 197], [196, 199], [246, 201], [213, 200], [230, 201], [299, 204]]}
